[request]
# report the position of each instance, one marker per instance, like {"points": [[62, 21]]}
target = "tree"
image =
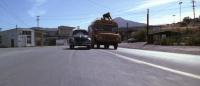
{"points": [[187, 20]]}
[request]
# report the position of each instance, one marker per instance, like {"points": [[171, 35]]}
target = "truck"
{"points": [[104, 32]]}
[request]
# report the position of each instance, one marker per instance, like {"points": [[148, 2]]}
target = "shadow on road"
{"points": [[78, 48], [104, 48], [82, 48]]}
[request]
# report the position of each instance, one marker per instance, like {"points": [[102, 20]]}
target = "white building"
{"points": [[20, 37]]}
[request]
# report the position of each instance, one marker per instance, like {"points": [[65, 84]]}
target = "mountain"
{"points": [[122, 23]]}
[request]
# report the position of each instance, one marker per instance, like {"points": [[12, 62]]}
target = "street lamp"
{"points": [[174, 18], [38, 21], [180, 3]]}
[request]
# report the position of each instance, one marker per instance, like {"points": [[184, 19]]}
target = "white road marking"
{"points": [[173, 57], [155, 66]]}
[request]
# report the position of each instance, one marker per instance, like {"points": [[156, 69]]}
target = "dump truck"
{"points": [[104, 32]]}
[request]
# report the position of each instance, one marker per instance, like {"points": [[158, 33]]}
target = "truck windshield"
{"points": [[107, 28], [80, 32]]}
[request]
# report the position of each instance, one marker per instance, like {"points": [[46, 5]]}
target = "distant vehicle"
{"points": [[104, 32], [131, 40], [80, 38]]}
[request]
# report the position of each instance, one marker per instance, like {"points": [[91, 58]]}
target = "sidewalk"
{"points": [[175, 49]]}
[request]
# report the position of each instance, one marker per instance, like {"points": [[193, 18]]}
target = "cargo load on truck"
{"points": [[104, 31]]}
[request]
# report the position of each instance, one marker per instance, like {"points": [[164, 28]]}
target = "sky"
{"points": [[54, 13]]}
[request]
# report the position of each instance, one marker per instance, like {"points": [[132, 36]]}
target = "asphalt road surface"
{"points": [[60, 66]]}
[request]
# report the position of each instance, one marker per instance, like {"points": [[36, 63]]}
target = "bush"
{"points": [[140, 35], [164, 42], [196, 41], [168, 41], [192, 40]]}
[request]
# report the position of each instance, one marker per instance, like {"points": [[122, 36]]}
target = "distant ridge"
{"points": [[122, 23]]}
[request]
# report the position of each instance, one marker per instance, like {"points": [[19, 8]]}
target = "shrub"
{"points": [[140, 35], [192, 39]]}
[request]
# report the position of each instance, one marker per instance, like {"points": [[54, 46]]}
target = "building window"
{"points": [[20, 33], [26, 32], [29, 39]]}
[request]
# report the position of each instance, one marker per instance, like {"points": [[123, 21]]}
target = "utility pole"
{"points": [[174, 19], [174, 22], [180, 3], [127, 30], [78, 27], [16, 26], [38, 21], [147, 33], [193, 5]]}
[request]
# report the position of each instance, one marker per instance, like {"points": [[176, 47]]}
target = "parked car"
{"points": [[80, 38]]}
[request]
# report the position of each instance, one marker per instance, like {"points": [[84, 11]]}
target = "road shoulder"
{"points": [[194, 50]]}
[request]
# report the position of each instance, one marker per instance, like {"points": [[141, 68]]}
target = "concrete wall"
{"points": [[7, 36], [61, 42], [19, 39]]}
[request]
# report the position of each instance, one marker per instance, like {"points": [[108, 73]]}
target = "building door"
{"points": [[12, 43]]}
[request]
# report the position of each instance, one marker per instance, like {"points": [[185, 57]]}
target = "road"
{"points": [[60, 66]]}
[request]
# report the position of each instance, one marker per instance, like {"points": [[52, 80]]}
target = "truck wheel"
{"points": [[88, 47], [98, 46], [115, 46], [92, 46], [71, 46], [106, 46]]}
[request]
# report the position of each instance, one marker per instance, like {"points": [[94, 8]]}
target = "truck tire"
{"points": [[92, 46], [88, 47], [106, 46], [71, 46], [115, 46], [98, 46]]}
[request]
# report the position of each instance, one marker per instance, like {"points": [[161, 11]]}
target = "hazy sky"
{"points": [[82, 12]]}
